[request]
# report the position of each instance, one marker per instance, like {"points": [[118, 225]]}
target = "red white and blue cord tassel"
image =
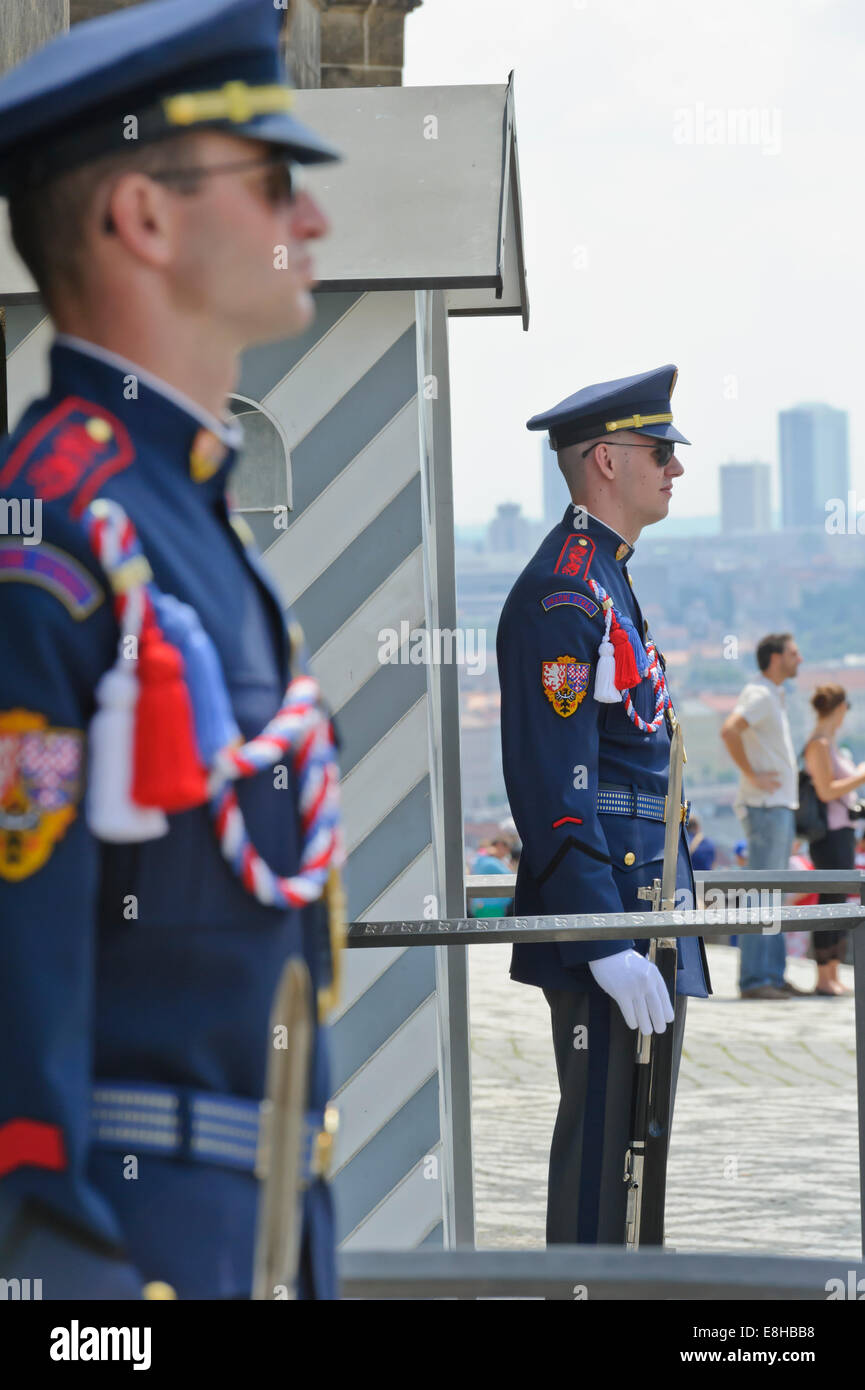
{"points": [[303, 729], [621, 666], [146, 738], [662, 697]]}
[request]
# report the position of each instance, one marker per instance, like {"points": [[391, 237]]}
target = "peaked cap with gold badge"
{"points": [[640, 403], [144, 74]]}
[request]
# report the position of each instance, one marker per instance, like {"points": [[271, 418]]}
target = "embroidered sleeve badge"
{"points": [[571, 597], [565, 683], [50, 568], [40, 787]]}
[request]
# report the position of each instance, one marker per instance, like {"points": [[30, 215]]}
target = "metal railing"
{"points": [[595, 1272], [613, 1273]]}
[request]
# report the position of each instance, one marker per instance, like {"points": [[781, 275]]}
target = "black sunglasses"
{"points": [[281, 185], [663, 450]]}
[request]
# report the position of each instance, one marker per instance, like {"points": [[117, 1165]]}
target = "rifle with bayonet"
{"points": [[279, 1164], [651, 1113]]}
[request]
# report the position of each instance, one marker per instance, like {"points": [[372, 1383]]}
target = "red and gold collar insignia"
{"points": [[207, 455]]}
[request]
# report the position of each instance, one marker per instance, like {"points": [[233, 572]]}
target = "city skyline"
{"points": [[783, 514], [656, 233], [779, 509]]}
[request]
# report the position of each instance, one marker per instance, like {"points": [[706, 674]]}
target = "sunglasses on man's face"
{"points": [[281, 182], [662, 452], [281, 176]]}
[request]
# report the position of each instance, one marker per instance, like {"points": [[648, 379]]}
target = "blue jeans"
{"points": [[770, 831]]}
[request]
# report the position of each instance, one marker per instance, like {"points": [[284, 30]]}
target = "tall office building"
{"points": [[815, 462], [746, 498], [555, 489], [509, 531]]}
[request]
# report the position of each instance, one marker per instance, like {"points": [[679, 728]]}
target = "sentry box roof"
{"points": [[427, 197]]}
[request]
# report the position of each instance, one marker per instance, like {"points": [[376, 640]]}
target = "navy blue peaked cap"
{"points": [[175, 65], [640, 403]]}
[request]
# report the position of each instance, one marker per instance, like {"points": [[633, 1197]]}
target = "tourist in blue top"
{"points": [[702, 848], [493, 858]]}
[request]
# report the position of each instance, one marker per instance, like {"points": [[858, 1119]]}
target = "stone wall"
{"points": [[28, 23], [362, 44], [25, 25], [89, 9], [329, 43], [303, 42]]}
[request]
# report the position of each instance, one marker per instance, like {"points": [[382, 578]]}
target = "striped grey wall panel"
{"points": [[409, 1214], [264, 367], [368, 715], [354, 422], [379, 1090], [377, 474], [350, 563], [410, 1137], [390, 845], [27, 367], [331, 367], [381, 783], [384, 1006], [350, 658], [361, 568], [21, 319], [365, 967]]}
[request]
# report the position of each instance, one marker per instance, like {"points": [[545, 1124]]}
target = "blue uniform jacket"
{"points": [[149, 962], [574, 859]]}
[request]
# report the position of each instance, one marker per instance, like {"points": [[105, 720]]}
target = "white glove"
{"points": [[638, 988]]}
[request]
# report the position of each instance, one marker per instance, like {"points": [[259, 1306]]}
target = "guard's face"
{"points": [[243, 255], [648, 482]]}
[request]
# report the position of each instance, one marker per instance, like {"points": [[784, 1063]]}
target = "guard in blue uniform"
{"points": [[586, 720], [156, 869]]}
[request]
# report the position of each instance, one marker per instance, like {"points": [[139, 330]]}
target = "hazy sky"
{"points": [[648, 239]]}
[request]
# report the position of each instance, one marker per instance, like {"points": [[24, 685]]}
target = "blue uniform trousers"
{"points": [[586, 1194]]}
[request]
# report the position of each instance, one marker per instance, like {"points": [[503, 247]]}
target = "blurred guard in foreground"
{"points": [[586, 722], [159, 862]]}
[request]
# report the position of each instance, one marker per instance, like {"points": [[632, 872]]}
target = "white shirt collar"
{"points": [[230, 431], [578, 506]]}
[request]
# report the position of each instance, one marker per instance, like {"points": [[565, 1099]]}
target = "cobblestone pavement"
{"points": [[764, 1147]]}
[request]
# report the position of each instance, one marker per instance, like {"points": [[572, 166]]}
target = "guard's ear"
{"points": [[143, 216], [602, 457]]}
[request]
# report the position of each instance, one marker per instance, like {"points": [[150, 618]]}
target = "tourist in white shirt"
{"points": [[757, 737]]}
